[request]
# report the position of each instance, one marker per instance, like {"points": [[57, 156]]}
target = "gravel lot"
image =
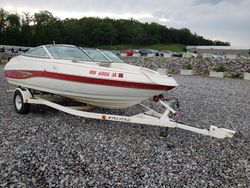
{"points": [[48, 148]]}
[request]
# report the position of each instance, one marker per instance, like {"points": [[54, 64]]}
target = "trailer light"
{"points": [[104, 117]]}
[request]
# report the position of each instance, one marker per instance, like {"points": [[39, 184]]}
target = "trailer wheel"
{"points": [[20, 106]]}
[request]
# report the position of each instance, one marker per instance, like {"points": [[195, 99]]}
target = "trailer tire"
{"points": [[20, 106]]}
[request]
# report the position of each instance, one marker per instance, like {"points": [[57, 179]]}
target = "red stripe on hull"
{"points": [[23, 74]]}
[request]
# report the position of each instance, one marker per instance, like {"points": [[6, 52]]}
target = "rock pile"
{"points": [[201, 66]]}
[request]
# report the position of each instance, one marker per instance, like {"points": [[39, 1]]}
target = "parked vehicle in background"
{"points": [[13, 50], [116, 52], [129, 52], [23, 49], [146, 52], [177, 55], [157, 53], [2, 49]]}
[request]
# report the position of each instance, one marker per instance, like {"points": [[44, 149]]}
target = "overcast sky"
{"points": [[226, 20]]}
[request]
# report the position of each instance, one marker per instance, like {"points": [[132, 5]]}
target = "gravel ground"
{"points": [[48, 148]]}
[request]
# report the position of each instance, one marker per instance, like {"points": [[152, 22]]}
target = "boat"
{"points": [[94, 77]]}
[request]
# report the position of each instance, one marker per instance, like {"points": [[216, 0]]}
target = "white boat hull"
{"points": [[96, 95], [116, 86]]}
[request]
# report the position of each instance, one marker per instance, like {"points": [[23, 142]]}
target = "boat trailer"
{"points": [[23, 98]]}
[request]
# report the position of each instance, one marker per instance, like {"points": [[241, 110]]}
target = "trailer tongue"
{"points": [[23, 98]]}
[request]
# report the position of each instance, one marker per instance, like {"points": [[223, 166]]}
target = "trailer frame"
{"points": [[148, 117]]}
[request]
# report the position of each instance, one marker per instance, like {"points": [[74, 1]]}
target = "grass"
{"points": [[220, 68], [3, 62], [236, 76], [161, 47], [188, 67]]}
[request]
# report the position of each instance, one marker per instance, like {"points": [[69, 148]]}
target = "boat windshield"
{"points": [[102, 55], [37, 52], [112, 56], [95, 55], [67, 52]]}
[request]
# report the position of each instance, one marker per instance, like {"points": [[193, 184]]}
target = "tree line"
{"points": [[43, 28]]}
